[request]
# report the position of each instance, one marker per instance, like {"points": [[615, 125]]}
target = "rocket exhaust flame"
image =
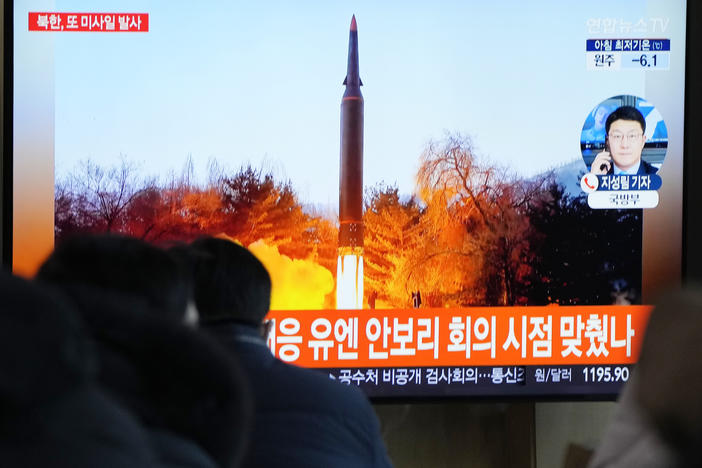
{"points": [[349, 279]]}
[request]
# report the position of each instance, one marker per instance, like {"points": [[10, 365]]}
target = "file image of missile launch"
{"points": [[438, 198], [349, 270]]}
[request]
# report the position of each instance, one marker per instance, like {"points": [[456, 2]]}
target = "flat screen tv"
{"points": [[453, 198]]}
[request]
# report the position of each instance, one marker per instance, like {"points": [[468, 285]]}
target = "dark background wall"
{"points": [[692, 260]]}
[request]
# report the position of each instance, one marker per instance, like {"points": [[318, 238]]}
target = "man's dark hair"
{"points": [[626, 113], [121, 265], [229, 282]]}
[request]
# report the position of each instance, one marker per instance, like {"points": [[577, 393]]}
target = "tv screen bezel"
{"points": [[692, 192]]}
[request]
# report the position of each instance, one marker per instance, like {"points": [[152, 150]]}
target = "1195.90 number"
{"points": [[606, 374]]}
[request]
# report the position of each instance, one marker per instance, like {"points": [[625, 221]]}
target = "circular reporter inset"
{"points": [[623, 134]]}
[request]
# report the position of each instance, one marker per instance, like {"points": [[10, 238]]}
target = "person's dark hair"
{"points": [[626, 113], [121, 265], [229, 282]]}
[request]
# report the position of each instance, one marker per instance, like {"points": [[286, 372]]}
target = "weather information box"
{"points": [[634, 54]]}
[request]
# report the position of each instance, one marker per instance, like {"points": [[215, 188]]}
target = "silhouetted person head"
{"points": [[179, 382], [53, 412], [302, 418], [229, 282], [121, 265]]}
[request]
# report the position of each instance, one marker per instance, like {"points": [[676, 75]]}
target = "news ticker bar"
{"points": [[484, 380]]}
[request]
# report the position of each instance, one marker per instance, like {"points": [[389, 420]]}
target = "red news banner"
{"points": [[89, 22], [480, 336]]}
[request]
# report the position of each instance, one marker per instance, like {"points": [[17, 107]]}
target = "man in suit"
{"points": [[626, 138]]}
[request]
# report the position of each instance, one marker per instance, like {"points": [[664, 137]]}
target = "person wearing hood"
{"points": [[53, 412], [188, 392]]}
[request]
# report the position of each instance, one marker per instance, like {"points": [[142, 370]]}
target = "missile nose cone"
{"points": [[352, 78]]}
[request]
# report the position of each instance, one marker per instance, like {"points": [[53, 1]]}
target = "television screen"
{"points": [[452, 198]]}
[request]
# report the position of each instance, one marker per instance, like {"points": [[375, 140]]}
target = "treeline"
{"points": [[476, 235], [248, 205], [471, 235]]}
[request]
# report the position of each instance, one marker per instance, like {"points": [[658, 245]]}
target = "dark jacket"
{"points": [[187, 391], [646, 168], [302, 418], [52, 411]]}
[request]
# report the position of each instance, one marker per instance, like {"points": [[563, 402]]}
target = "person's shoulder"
{"points": [[320, 409], [647, 168], [319, 379], [315, 389], [174, 450]]}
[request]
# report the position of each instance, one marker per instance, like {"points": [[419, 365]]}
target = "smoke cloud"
{"points": [[297, 284]]}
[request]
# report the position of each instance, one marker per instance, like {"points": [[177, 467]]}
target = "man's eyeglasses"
{"points": [[618, 137]]}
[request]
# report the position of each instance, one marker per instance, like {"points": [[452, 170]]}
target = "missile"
{"points": [[351, 164], [349, 271]]}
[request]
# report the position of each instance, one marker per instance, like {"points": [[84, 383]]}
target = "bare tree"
{"points": [[488, 202], [95, 198]]}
